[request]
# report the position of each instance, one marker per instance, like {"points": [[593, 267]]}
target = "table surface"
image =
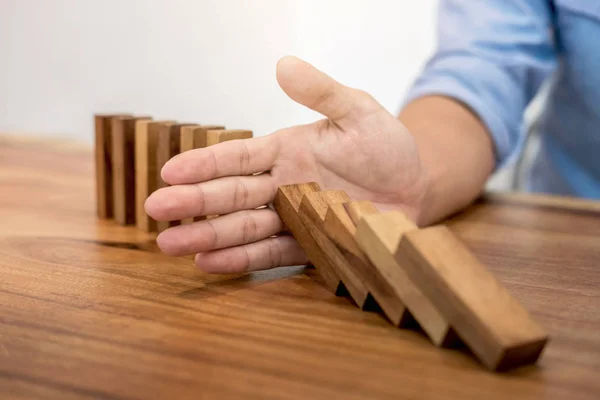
{"points": [[89, 309]]}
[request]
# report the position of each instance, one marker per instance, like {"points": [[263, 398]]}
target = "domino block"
{"points": [[498, 330], [287, 204], [214, 136], [378, 236], [340, 226], [195, 137], [146, 138], [168, 145], [312, 210], [123, 168], [103, 163]]}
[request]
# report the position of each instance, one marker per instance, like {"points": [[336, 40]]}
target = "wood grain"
{"points": [[123, 168], [103, 163], [491, 322], [146, 142], [287, 203], [378, 235], [312, 211], [340, 226], [90, 309]]}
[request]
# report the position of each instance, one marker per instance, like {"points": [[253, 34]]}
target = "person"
{"points": [[463, 118]]}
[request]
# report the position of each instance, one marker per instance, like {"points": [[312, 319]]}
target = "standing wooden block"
{"points": [[146, 138], [214, 136], [378, 236], [123, 168], [287, 203], [168, 145], [103, 149], [195, 137], [340, 227], [491, 322], [313, 209]]}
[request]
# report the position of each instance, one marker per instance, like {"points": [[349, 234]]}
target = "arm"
{"points": [[466, 109], [457, 163]]}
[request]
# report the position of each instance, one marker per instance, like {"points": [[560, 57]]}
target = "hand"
{"points": [[360, 148]]}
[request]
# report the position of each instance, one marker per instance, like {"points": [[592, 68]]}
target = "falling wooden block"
{"points": [[103, 151], [378, 236], [146, 138], [498, 330], [123, 168], [168, 145], [214, 136], [195, 137], [287, 204], [340, 226], [313, 209]]}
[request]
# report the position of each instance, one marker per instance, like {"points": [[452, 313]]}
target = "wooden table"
{"points": [[89, 309]]}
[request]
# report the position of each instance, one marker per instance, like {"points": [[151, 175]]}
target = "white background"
{"points": [[206, 61]]}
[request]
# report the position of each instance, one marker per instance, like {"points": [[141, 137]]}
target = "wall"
{"points": [[206, 61]]}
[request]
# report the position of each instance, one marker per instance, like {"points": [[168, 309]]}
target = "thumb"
{"points": [[316, 90]]}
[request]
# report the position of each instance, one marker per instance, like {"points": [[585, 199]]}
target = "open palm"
{"points": [[359, 148]]}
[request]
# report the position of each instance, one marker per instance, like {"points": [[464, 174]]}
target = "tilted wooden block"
{"points": [[103, 164], [287, 204], [378, 236], [488, 319], [195, 137], [340, 227], [313, 209], [146, 140], [168, 145], [123, 168]]}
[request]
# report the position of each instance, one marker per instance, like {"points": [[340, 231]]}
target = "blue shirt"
{"points": [[494, 56]]}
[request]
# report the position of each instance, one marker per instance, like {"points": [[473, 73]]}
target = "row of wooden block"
{"points": [[424, 275], [130, 152]]}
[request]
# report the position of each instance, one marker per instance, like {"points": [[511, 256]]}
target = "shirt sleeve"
{"points": [[492, 56]]}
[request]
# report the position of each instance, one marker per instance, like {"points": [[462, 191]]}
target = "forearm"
{"points": [[456, 154]]}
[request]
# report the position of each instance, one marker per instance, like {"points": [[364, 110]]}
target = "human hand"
{"points": [[360, 148]]}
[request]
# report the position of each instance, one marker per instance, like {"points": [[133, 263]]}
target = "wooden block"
{"points": [[214, 136], [287, 203], [168, 145], [498, 330], [102, 151], [378, 236], [313, 208], [340, 227], [123, 168], [195, 137], [357, 209], [146, 137]]}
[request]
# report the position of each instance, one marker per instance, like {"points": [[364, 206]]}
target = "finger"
{"points": [[218, 196], [232, 158], [229, 230], [316, 90], [269, 253]]}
